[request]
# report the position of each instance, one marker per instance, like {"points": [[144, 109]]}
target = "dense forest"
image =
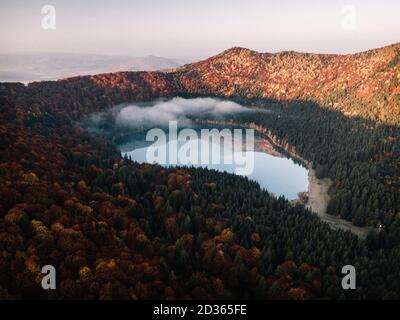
{"points": [[360, 156], [115, 229]]}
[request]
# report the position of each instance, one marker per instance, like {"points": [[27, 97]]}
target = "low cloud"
{"points": [[175, 109]]}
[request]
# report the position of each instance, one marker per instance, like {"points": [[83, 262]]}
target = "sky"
{"points": [[189, 29]]}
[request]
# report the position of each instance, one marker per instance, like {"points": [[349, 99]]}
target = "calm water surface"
{"points": [[279, 175]]}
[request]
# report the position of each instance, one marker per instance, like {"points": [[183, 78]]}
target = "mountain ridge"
{"points": [[365, 84], [240, 50], [368, 77]]}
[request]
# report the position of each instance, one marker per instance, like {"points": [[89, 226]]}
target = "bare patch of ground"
{"points": [[318, 199]]}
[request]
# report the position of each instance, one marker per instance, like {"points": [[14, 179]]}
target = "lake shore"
{"points": [[318, 189], [318, 199]]}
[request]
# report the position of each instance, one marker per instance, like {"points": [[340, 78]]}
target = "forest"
{"points": [[115, 229], [360, 156]]}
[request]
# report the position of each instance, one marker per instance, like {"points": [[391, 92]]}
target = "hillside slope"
{"points": [[365, 84]]}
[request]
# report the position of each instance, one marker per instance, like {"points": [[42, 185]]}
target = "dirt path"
{"points": [[318, 199]]}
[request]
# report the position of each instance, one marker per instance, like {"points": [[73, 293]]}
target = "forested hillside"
{"points": [[360, 156], [365, 84], [115, 229]]}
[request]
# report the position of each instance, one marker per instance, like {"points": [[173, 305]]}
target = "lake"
{"points": [[274, 172]]}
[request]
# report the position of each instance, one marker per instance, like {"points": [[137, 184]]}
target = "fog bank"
{"points": [[178, 109]]}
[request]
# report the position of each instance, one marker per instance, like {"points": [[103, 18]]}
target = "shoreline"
{"points": [[318, 199], [318, 189]]}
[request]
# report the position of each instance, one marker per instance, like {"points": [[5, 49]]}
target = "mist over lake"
{"points": [[129, 124]]}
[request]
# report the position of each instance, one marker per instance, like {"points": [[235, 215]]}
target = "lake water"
{"points": [[278, 174]]}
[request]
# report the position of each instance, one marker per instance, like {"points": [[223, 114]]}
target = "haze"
{"points": [[197, 29]]}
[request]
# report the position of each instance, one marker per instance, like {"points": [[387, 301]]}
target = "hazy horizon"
{"points": [[195, 30], [187, 59]]}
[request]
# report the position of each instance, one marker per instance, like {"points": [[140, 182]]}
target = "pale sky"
{"points": [[197, 29]]}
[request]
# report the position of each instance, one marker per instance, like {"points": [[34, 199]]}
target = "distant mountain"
{"points": [[37, 66]]}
